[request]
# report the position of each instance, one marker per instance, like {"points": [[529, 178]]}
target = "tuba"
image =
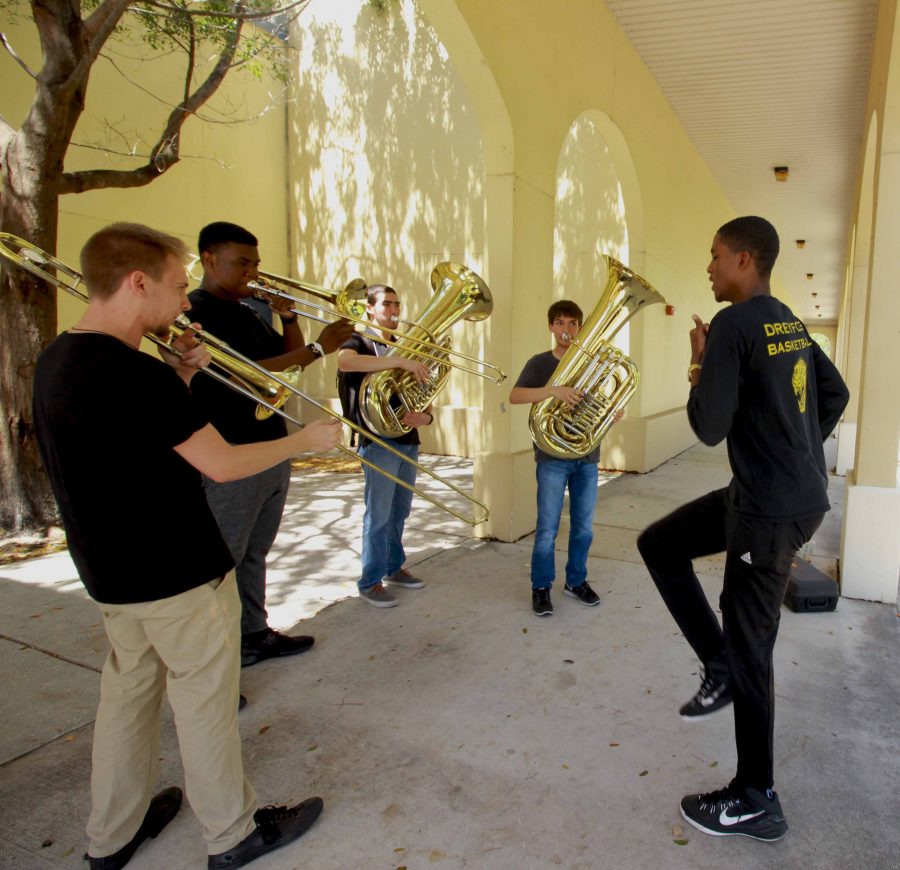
{"points": [[387, 395], [604, 375]]}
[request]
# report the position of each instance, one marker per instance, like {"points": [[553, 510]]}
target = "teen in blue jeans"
{"points": [[387, 503], [554, 475]]}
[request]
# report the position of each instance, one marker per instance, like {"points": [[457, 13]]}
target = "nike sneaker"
{"points": [[732, 810], [712, 696]]}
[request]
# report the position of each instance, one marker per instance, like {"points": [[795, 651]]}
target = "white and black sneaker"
{"points": [[712, 696], [732, 811], [541, 603]]}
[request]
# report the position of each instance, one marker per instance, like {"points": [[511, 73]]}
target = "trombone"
{"points": [[245, 376], [350, 304]]}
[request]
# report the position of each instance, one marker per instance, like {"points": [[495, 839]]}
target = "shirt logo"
{"points": [[728, 821], [746, 558], [798, 383]]}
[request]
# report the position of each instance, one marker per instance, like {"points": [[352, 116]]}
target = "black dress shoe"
{"points": [[271, 644], [275, 827], [163, 808]]}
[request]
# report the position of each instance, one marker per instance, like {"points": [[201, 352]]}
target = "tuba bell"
{"points": [[604, 375], [386, 396]]}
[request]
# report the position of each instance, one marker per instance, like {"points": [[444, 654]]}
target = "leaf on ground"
{"points": [[70, 737], [36, 615], [68, 852], [312, 748], [677, 831], [569, 661], [264, 729], [400, 849], [680, 842], [372, 658], [614, 745], [714, 764], [643, 773], [47, 842], [565, 767], [524, 631]]}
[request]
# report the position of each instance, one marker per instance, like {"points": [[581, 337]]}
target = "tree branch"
{"points": [[15, 56], [245, 16], [165, 153]]}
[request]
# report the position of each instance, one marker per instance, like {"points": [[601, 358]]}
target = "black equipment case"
{"points": [[809, 590]]}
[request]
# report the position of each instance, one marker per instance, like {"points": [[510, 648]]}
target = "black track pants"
{"points": [[757, 569]]}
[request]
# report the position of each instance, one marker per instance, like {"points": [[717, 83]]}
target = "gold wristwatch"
{"points": [[693, 367]]}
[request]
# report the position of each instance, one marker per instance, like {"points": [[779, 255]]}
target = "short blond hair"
{"points": [[119, 249]]}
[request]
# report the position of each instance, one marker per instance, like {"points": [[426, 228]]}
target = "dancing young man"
{"points": [[387, 503], [171, 612], [759, 381], [554, 475], [249, 510]]}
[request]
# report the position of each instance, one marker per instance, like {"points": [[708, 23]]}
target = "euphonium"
{"points": [[604, 375], [387, 395]]}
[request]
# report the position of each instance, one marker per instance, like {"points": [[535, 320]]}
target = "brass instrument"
{"points": [[242, 374], [350, 303], [602, 373], [386, 396]]}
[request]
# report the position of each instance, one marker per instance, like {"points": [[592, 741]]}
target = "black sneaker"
{"points": [[583, 593], [712, 696], [269, 644], [275, 827], [731, 811], [541, 603]]}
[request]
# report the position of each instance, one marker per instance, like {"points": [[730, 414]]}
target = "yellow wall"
{"points": [[386, 175], [228, 171]]}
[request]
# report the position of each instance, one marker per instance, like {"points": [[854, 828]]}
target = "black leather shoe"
{"points": [[275, 827], [271, 645], [163, 808]]}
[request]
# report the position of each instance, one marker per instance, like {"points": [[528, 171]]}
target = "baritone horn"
{"points": [[602, 373], [238, 372], [386, 396]]}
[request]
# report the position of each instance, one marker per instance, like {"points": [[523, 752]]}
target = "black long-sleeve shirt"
{"points": [[769, 389]]}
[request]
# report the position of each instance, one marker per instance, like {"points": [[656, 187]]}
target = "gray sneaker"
{"points": [[378, 596], [405, 579]]}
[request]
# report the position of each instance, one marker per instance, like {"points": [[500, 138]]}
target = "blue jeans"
{"points": [[553, 475], [387, 507]]}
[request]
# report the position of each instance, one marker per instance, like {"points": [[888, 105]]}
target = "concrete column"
{"points": [[870, 545]]}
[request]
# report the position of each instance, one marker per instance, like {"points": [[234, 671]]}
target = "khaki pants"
{"points": [[190, 645]]}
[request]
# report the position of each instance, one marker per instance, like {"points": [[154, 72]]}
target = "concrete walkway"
{"points": [[458, 730]]}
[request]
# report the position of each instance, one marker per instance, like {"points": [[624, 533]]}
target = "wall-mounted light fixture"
{"points": [[801, 243], [809, 276], [781, 173]]}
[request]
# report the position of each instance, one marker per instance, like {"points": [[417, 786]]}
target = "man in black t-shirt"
{"points": [[126, 475], [249, 510], [387, 503], [759, 381]]}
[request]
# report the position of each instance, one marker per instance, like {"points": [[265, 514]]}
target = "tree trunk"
{"points": [[27, 325], [32, 162]]}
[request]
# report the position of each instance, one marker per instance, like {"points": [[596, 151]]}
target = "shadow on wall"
{"points": [[386, 160]]}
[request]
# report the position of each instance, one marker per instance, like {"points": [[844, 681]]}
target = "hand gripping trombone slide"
{"points": [[242, 374]]}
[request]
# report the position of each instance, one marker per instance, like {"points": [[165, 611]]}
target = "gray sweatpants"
{"points": [[248, 512]]}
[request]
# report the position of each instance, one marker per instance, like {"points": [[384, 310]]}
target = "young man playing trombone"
{"points": [[171, 612], [387, 503], [249, 510]]}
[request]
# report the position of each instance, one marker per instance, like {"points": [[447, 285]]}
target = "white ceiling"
{"points": [[771, 83]]}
